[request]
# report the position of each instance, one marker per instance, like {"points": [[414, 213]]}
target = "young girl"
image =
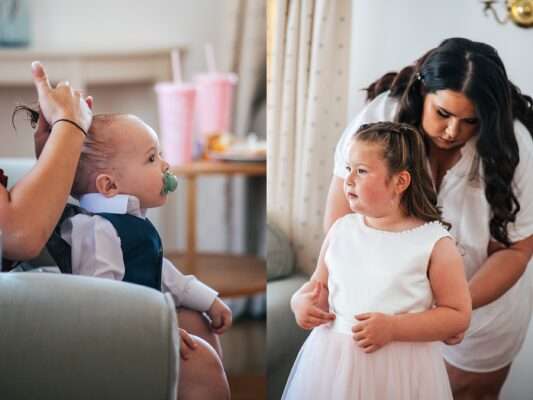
{"points": [[478, 128], [395, 280]]}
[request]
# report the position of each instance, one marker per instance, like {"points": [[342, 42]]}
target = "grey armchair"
{"points": [[73, 337], [284, 337]]}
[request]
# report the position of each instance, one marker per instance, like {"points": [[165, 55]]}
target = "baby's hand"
{"points": [[220, 315], [308, 309], [373, 332], [187, 344], [456, 339]]}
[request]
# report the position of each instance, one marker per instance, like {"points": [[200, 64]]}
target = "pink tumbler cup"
{"points": [[176, 103], [214, 103]]}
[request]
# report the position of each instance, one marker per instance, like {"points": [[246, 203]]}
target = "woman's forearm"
{"points": [[499, 273], [436, 324], [336, 204], [305, 288], [37, 201]]}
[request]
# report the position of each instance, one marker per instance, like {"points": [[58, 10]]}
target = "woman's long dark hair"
{"points": [[476, 70]]}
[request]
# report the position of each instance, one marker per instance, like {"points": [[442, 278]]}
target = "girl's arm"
{"points": [[336, 204], [500, 271], [453, 306], [310, 302], [449, 317]]}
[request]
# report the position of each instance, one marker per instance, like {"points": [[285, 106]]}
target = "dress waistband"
{"points": [[343, 325]]}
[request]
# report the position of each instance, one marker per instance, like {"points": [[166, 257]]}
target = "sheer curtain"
{"points": [[245, 49], [307, 85]]}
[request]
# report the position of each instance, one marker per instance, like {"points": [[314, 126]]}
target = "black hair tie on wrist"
{"points": [[71, 122]]}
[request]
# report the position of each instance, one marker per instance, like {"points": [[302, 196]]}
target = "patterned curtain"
{"points": [[307, 85]]}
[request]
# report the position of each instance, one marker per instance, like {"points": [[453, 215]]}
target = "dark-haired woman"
{"points": [[478, 129]]}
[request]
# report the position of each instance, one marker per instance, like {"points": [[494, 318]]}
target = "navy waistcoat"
{"points": [[141, 249], [141, 246]]}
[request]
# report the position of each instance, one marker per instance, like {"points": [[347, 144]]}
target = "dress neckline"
{"points": [[386, 232]]}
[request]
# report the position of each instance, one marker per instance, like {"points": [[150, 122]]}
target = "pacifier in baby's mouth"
{"points": [[170, 182]]}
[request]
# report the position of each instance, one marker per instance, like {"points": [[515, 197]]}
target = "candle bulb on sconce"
{"points": [[519, 11]]}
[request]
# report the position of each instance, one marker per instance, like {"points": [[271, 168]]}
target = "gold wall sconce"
{"points": [[518, 11]]}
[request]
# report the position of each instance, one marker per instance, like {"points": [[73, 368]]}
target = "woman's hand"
{"points": [[308, 307], [42, 133], [187, 344], [61, 101], [220, 315], [456, 339], [374, 331]]}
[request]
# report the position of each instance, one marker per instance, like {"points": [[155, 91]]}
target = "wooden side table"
{"points": [[230, 275]]}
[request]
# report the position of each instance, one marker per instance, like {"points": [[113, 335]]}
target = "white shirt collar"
{"points": [[119, 204]]}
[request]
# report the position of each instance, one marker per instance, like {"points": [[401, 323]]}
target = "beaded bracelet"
{"points": [[69, 121]]}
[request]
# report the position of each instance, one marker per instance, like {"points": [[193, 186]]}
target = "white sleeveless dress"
{"points": [[498, 329], [372, 271]]}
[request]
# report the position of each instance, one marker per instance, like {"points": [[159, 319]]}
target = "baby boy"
{"points": [[120, 175]]}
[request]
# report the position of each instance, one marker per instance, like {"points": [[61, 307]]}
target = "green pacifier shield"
{"points": [[170, 182]]}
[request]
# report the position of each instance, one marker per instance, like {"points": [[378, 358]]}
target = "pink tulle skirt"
{"points": [[330, 365]]}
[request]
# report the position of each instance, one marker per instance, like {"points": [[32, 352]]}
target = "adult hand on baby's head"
{"points": [[221, 316], [309, 308], [373, 332], [42, 133], [61, 101]]}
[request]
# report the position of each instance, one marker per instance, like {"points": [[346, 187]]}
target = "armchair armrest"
{"points": [[75, 337], [284, 336]]}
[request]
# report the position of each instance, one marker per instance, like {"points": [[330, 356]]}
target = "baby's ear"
{"points": [[106, 185], [403, 180]]}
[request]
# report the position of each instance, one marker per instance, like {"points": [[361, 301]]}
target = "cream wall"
{"points": [[390, 34], [104, 24], [119, 24]]}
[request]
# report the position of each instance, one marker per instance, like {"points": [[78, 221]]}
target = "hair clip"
{"points": [[418, 76]]}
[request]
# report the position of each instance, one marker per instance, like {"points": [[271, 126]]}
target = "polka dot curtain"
{"points": [[307, 88]]}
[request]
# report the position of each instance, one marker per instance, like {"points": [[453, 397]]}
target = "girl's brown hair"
{"points": [[404, 150]]}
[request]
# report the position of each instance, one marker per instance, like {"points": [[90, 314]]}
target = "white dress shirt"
{"points": [[96, 250]]}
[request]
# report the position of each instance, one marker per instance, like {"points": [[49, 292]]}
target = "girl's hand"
{"points": [[456, 339], [187, 344], [61, 101], [373, 332], [220, 315], [307, 308]]}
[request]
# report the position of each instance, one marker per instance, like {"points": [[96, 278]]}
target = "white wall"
{"points": [[388, 35], [125, 24]]}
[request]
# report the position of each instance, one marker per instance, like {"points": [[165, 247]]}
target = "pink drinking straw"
{"points": [[176, 66], [210, 57]]}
